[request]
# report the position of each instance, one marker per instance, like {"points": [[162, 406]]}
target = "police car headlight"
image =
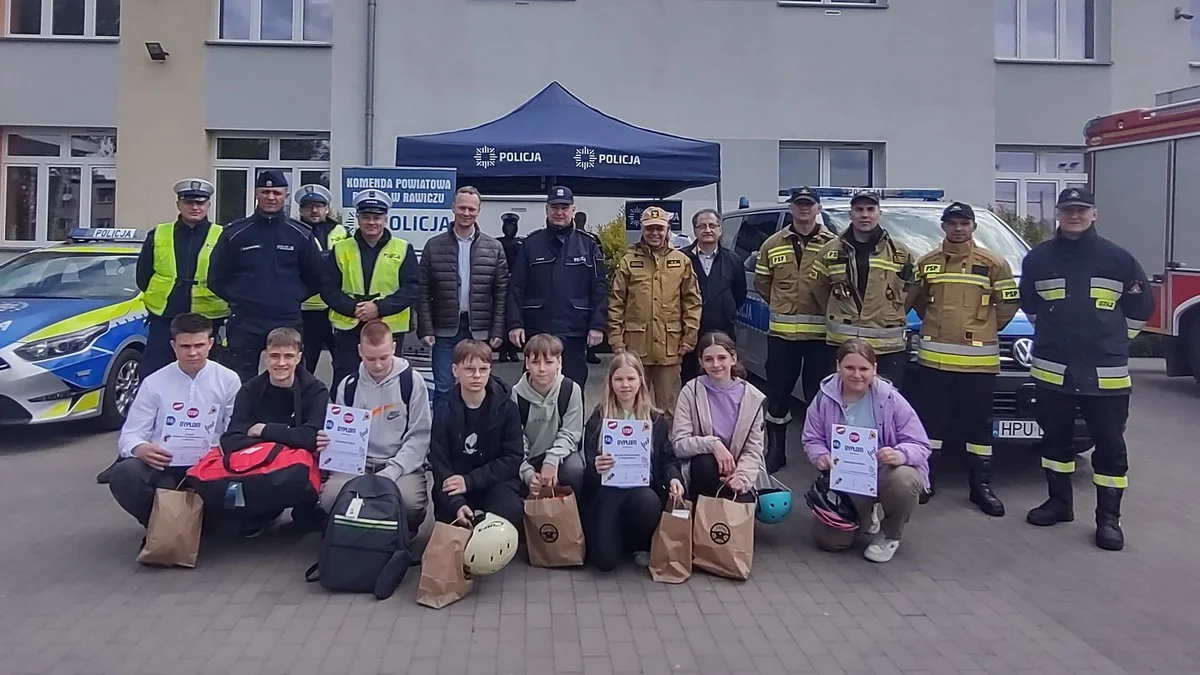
{"points": [[63, 345]]}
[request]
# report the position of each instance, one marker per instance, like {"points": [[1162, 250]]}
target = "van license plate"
{"points": [[1023, 429]]}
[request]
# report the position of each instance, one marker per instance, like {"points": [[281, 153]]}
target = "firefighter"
{"points": [[1088, 298], [654, 308], [964, 295], [313, 201], [861, 281], [796, 349]]}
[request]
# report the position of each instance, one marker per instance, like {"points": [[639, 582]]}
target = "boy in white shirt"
{"points": [[192, 389], [551, 408]]}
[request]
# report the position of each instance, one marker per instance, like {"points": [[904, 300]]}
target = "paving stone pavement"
{"points": [[966, 594]]}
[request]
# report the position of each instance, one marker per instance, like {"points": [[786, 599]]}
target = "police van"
{"points": [[912, 217]]}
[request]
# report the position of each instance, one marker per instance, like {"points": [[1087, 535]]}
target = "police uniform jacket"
{"points": [[264, 266], [558, 284], [405, 297], [654, 307], [188, 242], [863, 289], [1088, 297], [785, 278]]}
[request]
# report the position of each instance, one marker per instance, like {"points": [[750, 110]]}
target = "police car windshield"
{"points": [[52, 274], [920, 229]]}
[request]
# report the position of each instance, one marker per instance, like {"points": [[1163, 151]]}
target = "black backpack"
{"points": [[564, 401], [351, 386], [366, 548]]}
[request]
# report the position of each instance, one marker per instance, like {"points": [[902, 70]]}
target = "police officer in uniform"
{"points": [[965, 295], [509, 225], [264, 266], [861, 281], [1088, 298], [654, 307], [173, 270], [558, 285], [313, 201], [784, 276], [369, 276]]}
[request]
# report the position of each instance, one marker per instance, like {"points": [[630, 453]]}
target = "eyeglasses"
{"points": [[708, 226]]}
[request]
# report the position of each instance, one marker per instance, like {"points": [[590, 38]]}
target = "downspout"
{"points": [[369, 106]]}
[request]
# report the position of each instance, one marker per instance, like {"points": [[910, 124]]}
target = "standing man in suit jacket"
{"points": [[722, 282]]}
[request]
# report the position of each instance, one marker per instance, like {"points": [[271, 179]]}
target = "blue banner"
{"points": [[633, 213], [422, 199]]}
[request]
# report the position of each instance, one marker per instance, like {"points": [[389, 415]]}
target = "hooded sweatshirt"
{"points": [[290, 416], [545, 433], [399, 440], [487, 453]]}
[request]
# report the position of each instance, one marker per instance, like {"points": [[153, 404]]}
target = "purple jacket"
{"points": [[899, 426]]}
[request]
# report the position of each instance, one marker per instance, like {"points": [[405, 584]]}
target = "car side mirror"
{"points": [[751, 261]]}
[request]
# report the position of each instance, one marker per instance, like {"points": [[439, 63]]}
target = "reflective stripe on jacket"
{"points": [[385, 280], [878, 316], [204, 301], [784, 277], [338, 233]]}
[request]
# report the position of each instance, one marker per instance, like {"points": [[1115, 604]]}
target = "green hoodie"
{"points": [[545, 433]]}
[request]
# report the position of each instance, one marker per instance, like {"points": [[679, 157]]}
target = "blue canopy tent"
{"points": [[556, 139]]}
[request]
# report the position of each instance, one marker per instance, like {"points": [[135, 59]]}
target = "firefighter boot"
{"points": [[1059, 508], [981, 486], [934, 458], [1108, 519], [776, 447]]}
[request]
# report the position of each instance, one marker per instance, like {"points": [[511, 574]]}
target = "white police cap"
{"points": [[372, 201], [194, 189], [312, 193]]}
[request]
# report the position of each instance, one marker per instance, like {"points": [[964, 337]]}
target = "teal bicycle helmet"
{"points": [[774, 503]]}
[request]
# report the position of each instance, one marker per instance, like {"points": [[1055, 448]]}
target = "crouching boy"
{"points": [[476, 447], [552, 430]]}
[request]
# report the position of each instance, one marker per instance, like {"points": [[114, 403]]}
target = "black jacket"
{"points": [[264, 267], [298, 430], [511, 246], [1087, 298], [663, 464], [410, 280], [558, 284], [723, 290], [487, 292], [188, 242], [499, 444]]}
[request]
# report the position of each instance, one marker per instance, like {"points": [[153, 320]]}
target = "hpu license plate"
{"points": [[1020, 429]]}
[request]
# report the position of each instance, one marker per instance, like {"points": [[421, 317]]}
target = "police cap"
{"points": [[804, 194], [194, 190], [271, 178], [560, 195], [1075, 196], [654, 215], [958, 210], [865, 194], [312, 194], [510, 217], [372, 201]]}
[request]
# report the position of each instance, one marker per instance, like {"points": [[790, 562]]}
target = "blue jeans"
{"points": [[443, 359]]}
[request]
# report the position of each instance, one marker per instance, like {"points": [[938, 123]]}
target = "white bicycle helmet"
{"points": [[492, 545]]}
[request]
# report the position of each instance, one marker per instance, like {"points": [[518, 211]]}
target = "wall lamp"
{"points": [[156, 52], [1180, 14]]}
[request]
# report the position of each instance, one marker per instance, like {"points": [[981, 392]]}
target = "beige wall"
{"points": [[160, 108]]}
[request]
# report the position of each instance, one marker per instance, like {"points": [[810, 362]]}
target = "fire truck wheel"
{"points": [[1193, 348]]}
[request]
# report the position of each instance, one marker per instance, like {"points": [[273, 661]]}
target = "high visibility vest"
{"points": [[335, 235], [204, 301], [385, 280]]}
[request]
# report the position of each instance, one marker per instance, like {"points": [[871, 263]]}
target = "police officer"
{"points": [[313, 201], [264, 266], [173, 270], [581, 219], [654, 307], [861, 281], [558, 285], [784, 275], [965, 295], [509, 225], [1088, 298], [369, 276]]}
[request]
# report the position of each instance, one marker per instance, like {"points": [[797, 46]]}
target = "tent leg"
{"points": [[719, 199]]}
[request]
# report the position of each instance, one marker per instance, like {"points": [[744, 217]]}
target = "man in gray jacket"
{"points": [[399, 437], [464, 286]]}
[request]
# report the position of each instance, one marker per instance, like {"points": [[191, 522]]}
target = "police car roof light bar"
{"points": [[91, 234], [923, 194]]}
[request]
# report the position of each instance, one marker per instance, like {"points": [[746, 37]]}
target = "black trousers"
{"points": [[574, 359], [318, 336], [892, 367], [956, 409], [787, 360], [622, 520], [705, 480], [1105, 417], [134, 482], [345, 351], [503, 499], [246, 342]]}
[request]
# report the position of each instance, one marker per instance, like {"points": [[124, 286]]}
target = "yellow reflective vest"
{"points": [[385, 280], [204, 301], [878, 316], [338, 233]]}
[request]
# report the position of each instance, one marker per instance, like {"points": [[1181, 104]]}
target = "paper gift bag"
{"points": [[444, 577], [671, 547], [173, 533], [553, 532], [723, 537]]}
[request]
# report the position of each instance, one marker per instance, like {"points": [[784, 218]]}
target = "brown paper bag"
{"points": [[671, 547], [553, 532], [723, 537], [444, 577], [173, 533]]}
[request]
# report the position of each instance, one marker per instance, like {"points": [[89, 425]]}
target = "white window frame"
{"points": [[292, 167], [877, 151], [42, 164], [47, 32], [1060, 26], [256, 26], [1041, 174], [869, 4]]}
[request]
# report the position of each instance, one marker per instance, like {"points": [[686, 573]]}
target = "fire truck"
{"points": [[1144, 169]]}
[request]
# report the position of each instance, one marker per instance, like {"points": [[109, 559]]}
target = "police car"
{"points": [[913, 217], [72, 330]]}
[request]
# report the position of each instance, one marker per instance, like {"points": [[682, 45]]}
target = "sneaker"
{"points": [[873, 520], [641, 558], [882, 549]]}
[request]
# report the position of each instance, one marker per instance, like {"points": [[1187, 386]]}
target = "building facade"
{"points": [[105, 104]]}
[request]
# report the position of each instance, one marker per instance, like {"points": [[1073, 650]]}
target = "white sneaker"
{"points": [[641, 558], [873, 520], [882, 549]]}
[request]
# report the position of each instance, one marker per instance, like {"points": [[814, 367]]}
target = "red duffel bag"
{"points": [[263, 479]]}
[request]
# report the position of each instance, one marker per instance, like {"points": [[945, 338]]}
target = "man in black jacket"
{"points": [[510, 225], [722, 282], [477, 445]]}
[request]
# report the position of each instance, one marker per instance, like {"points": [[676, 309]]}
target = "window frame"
{"points": [[1040, 174], [1060, 25], [47, 25], [256, 27], [830, 4], [876, 164], [293, 168]]}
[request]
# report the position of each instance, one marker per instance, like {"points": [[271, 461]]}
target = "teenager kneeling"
{"points": [[623, 520], [552, 431]]}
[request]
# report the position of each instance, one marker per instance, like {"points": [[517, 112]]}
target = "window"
{"points": [[1053, 30], [842, 165], [275, 20], [303, 159], [755, 229], [54, 182], [1028, 180], [877, 3], [65, 18]]}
